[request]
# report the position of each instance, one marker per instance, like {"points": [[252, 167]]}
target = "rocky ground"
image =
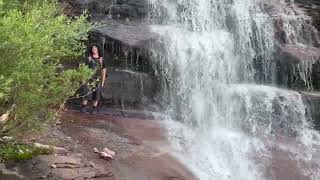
{"points": [[142, 151]]}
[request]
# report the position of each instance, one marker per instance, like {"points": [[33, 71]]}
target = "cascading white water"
{"points": [[205, 61]]}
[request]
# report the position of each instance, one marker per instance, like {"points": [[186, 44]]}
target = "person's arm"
{"points": [[103, 76], [103, 72]]}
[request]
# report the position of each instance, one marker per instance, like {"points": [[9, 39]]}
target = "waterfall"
{"points": [[211, 58]]}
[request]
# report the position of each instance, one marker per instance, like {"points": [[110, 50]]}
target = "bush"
{"points": [[35, 39]]}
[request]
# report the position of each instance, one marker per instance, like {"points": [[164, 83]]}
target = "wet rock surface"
{"points": [[292, 24], [136, 35], [139, 142], [312, 100], [289, 159], [126, 87], [312, 8], [297, 44], [296, 67], [297, 47], [130, 8], [296, 59]]}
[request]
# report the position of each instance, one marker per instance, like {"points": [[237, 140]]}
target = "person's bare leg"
{"points": [[95, 103], [84, 106], [95, 107], [84, 102]]}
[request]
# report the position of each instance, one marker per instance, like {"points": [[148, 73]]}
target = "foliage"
{"points": [[20, 152], [4, 87], [35, 41]]}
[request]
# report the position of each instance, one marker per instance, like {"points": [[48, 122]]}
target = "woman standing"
{"points": [[96, 62]]}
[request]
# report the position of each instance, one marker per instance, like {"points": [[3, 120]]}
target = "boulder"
{"points": [[128, 45], [130, 80]]}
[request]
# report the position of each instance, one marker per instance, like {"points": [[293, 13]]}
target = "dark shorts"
{"points": [[94, 94]]}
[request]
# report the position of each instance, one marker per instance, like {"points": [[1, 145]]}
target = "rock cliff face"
{"points": [[297, 43], [130, 79], [297, 57], [124, 34], [312, 8], [312, 100], [118, 9]]}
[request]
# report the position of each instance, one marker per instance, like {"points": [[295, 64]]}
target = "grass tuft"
{"points": [[20, 152]]}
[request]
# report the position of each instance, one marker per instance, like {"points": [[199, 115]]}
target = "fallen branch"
{"points": [[49, 148]]}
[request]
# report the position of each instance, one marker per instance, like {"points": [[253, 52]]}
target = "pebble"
{"points": [[96, 150]]}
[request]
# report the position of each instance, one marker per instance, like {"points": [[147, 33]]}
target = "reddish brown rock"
{"points": [[289, 159], [300, 53], [132, 162]]}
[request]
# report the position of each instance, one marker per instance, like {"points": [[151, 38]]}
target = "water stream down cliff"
{"points": [[234, 79], [227, 118]]}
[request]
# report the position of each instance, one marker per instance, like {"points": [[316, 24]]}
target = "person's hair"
{"points": [[99, 50]]}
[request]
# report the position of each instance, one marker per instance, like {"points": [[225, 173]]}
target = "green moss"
{"points": [[20, 152]]}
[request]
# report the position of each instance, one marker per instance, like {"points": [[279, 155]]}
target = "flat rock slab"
{"points": [[133, 161], [300, 53], [134, 35], [67, 160]]}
